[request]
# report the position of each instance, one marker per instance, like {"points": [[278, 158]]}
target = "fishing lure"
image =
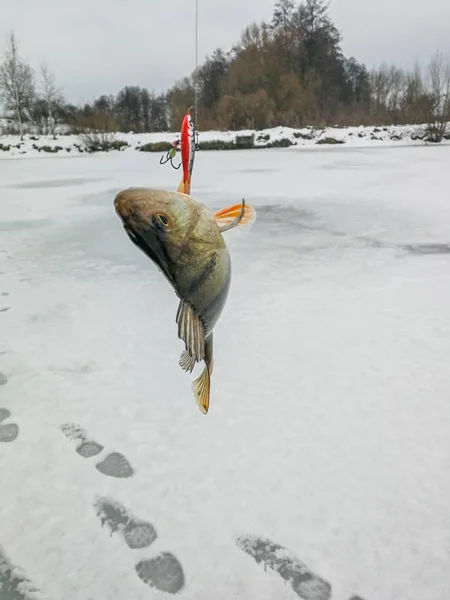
{"points": [[189, 144]]}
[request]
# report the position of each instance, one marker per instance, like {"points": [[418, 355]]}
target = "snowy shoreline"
{"points": [[69, 145]]}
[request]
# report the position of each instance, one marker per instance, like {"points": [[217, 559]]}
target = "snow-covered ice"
{"points": [[322, 467]]}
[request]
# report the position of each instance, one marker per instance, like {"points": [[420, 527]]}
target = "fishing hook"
{"points": [[165, 158], [235, 221]]}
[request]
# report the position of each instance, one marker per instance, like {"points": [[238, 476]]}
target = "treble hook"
{"points": [[168, 158]]}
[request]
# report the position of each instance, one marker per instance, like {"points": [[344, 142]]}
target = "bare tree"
{"points": [[414, 99], [397, 84], [16, 83], [52, 96], [438, 87], [379, 86]]}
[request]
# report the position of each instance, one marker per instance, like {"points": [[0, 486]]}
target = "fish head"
{"points": [[156, 221]]}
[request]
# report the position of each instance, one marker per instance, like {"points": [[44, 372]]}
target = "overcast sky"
{"points": [[99, 46]]}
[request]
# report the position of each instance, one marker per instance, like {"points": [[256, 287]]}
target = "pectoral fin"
{"points": [[192, 331], [239, 214]]}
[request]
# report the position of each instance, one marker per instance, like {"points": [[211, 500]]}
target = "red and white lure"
{"points": [[188, 148]]}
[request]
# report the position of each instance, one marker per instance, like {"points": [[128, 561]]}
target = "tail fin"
{"points": [[227, 215], [201, 388]]}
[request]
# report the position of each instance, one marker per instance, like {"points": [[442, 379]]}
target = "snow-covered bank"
{"points": [[33, 145], [324, 456]]}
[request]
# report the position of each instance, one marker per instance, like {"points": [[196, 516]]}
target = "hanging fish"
{"points": [[184, 239], [188, 148]]}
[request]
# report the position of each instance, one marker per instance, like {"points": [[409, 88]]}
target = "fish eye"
{"points": [[163, 219]]}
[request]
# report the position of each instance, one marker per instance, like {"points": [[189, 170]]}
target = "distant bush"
{"points": [[217, 145], [96, 132], [244, 142], [435, 132], [98, 141], [119, 145], [155, 147], [329, 140], [49, 149], [304, 136], [9, 146], [417, 135], [263, 137], [208, 145], [281, 143]]}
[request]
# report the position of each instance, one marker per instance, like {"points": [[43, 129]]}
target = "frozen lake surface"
{"points": [[322, 468]]}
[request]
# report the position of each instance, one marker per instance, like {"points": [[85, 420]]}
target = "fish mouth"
{"points": [[137, 239], [151, 246]]}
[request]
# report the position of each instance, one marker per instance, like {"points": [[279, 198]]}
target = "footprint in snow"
{"points": [[14, 583], [306, 584], [9, 431], [114, 464], [136, 532], [162, 572]]}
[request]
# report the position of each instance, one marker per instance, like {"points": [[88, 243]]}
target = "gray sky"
{"points": [[98, 46]]}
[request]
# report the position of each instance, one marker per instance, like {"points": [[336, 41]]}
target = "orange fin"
{"points": [[184, 187], [228, 217], [201, 388]]}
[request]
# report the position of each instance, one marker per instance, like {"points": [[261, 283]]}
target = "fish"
{"points": [[184, 240]]}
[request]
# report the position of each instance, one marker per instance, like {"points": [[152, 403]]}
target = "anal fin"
{"points": [[201, 388]]}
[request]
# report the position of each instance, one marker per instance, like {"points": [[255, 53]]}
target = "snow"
{"points": [[70, 145], [327, 440]]}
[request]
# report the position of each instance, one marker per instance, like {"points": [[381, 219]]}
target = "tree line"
{"points": [[290, 71]]}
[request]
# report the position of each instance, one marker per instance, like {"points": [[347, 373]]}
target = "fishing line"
{"points": [[196, 76], [171, 153]]}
